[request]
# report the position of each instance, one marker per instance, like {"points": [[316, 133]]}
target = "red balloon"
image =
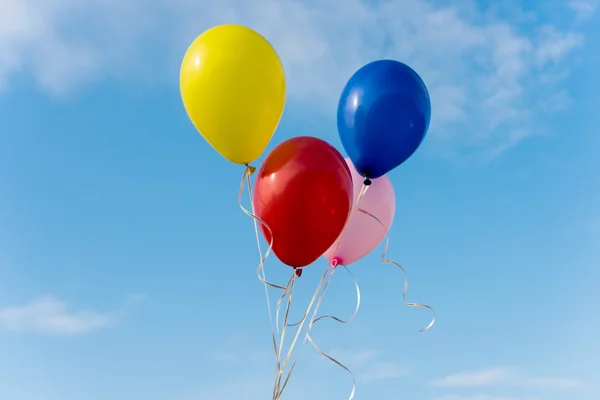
{"points": [[304, 193]]}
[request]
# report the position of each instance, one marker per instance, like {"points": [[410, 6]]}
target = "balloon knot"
{"points": [[250, 169], [367, 182], [335, 262], [298, 271]]}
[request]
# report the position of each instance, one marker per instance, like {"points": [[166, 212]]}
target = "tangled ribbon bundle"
{"points": [[287, 292], [281, 379], [307, 200]]}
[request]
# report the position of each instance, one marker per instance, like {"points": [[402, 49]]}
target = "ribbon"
{"points": [[331, 265], [287, 290], [336, 319], [334, 263], [385, 260], [246, 182]]}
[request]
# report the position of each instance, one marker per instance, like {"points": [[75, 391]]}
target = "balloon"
{"points": [[303, 192], [233, 88], [363, 233], [383, 116]]}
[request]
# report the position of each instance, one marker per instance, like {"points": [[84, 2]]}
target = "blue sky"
{"points": [[127, 270]]}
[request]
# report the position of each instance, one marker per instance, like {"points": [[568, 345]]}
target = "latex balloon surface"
{"points": [[363, 233], [233, 88], [383, 116], [303, 192]]}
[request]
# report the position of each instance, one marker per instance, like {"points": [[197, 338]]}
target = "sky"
{"points": [[128, 271]]}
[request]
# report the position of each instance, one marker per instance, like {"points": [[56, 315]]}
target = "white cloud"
{"points": [[382, 370], [585, 9], [478, 378], [504, 376], [51, 316], [356, 358], [556, 45], [134, 299], [368, 365], [591, 226], [256, 387], [555, 383], [490, 78], [483, 397], [254, 368], [236, 351], [244, 388]]}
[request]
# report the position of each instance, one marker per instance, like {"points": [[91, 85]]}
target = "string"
{"points": [[332, 263], [385, 260], [280, 302], [335, 265], [277, 390], [287, 290], [361, 193], [248, 171], [335, 260], [260, 271], [301, 324], [337, 319]]}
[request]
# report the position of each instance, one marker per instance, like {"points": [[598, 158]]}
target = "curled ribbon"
{"points": [[300, 324], [331, 265], [287, 290], [248, 171], [337, 319], [261, 272], [334, 263], [385, 260], [317, 296]]}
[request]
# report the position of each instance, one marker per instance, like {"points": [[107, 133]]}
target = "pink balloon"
{"points": [[363, 233]]}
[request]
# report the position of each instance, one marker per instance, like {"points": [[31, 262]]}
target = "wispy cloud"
{"points": [[255, 387], [241, 388], [555, 383], [489, 76], [483, 397], [253, 377], [236, 351], [592, 226], [477, 378], [504, 376], [382, 370], [368, 365], [585, 9], [52, 316]]}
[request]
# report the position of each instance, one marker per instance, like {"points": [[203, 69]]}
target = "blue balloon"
{"points": [[383, 116]]}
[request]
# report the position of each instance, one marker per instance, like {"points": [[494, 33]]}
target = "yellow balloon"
{"points": [[233, 88]]}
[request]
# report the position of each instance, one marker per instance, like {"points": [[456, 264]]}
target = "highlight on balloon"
{"points": [[306, 200]]}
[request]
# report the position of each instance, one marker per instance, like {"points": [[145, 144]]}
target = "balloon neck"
{"points": [[335, 261], [249, 169], [367, 182], [298, 271]]}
